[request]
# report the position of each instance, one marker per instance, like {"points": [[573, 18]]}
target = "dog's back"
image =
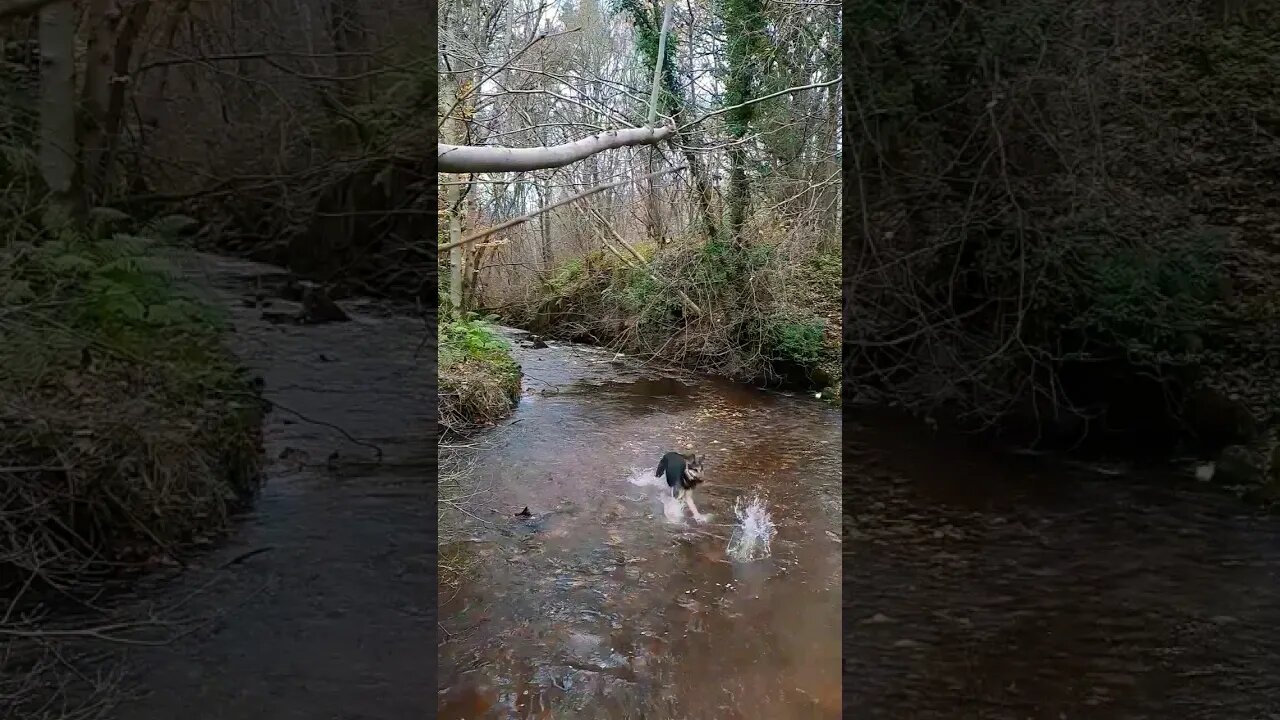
{"points": [[682, 471]]}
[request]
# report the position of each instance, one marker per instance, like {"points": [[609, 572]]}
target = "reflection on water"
{"points": [[610, 610], [984, 586]]}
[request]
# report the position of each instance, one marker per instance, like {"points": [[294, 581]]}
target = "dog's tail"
{"points": [[662, 467]]}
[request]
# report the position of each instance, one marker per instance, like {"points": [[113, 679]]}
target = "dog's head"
{"points": [[693, 465]]}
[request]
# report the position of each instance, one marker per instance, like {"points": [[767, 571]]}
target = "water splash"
{"points": [[752, 539], [644, 477]]}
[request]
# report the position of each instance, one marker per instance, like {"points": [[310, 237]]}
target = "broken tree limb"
{"points": [[487, 158], [607, 226], [526, 218]]}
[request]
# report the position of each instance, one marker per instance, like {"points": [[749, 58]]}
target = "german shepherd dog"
{"points": [[683, 472]]}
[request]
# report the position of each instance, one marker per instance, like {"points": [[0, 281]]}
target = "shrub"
{"points": [[479, 379]]}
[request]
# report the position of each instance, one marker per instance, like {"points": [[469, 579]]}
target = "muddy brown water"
{"points": [[601, 604]]}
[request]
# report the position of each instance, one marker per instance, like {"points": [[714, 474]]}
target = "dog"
{"points": [[683, 472]]}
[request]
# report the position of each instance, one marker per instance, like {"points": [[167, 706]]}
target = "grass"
{"points": [[479, 385], [479, 379]]}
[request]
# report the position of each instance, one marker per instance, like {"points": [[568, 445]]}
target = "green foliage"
{"points": [[479, 378], [827, 269], [118, 285], [1147, 301], [747, 52], [473, 339], [646, 18], [644, 298], [796, 341], [567, 276], [124, 383]]}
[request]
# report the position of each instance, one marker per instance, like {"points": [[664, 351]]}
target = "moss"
{"points": [[479, 378]]}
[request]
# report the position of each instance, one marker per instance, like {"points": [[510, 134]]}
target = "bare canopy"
{"points": [[476, 159]]}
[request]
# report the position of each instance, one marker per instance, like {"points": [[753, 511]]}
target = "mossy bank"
{"points": [[479, 378], [759, 314], [127, 430]]}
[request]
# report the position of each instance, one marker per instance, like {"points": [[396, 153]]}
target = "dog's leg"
{"points": [[688, 500]]}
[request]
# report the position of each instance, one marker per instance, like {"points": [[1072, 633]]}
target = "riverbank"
{"points": [[129, 433], [767, 314], [479, 379]]}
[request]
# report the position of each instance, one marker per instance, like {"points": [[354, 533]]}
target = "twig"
{"points": [[331, 426], [245, 556], [762, 98]]}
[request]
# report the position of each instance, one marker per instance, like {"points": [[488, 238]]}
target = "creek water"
{"points": [[981, 585], [317, 604], [975, 585], [610, 601]]}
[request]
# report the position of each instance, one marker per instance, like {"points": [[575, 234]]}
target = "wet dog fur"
{"points": [[683, 473]]}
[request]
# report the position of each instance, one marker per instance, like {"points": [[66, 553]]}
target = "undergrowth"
{"points": [[1079, 247], [765, 313], [479, 379], [479, 384], [126, 429]]}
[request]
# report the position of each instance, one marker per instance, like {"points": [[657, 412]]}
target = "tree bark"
{"points": [[544, 226], [57, 154], [477, 159], [455, 253], [103, 19]]}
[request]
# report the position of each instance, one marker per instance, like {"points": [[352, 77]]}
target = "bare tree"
{"points": [[57, 134]]}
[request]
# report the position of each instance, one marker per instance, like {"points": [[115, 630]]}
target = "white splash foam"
{"points": [[644, 477], [752, 539]]}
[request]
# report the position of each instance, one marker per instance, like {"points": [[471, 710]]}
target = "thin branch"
{"points": [[464, 95], [642, 264], [526, 218], [760, 99]]}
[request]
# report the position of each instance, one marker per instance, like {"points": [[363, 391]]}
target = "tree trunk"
{"points": [[126, 42], [544, 225], [347, 32], [455, 254], [654, 224], [104, 19], [738, 194], [57, 109]]}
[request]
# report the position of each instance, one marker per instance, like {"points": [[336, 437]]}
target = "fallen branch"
{"points": [[493, 158], [526, 218]]}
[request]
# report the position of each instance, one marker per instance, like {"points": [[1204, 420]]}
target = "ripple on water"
{"points": [[629, 614]]}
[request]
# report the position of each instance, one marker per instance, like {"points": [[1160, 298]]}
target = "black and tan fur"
{"points": [[683, 472]]}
